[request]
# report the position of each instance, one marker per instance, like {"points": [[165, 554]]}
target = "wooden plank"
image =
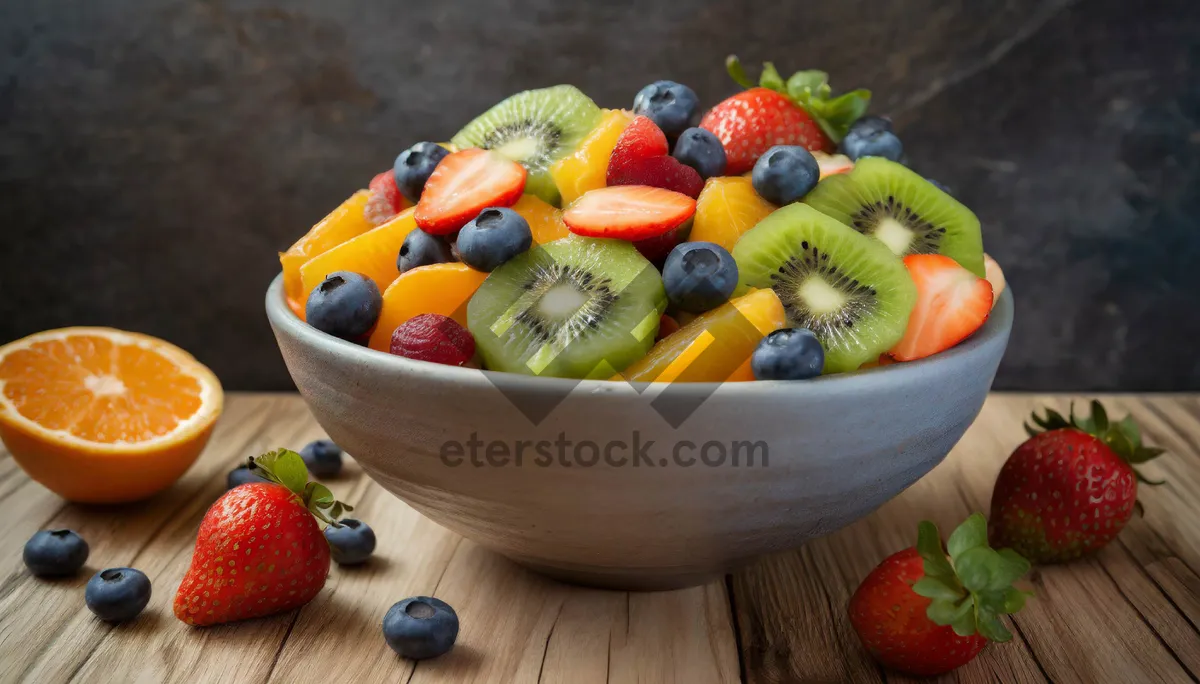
{"points": [[1104, 619], [1130, 613]]}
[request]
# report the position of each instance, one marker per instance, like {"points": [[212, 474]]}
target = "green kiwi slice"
{"points": [[898, 207], [572, 308], [850, 290], [535, 128]]}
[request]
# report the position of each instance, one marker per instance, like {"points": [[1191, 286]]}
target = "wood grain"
{"points": [[1130, 613]]}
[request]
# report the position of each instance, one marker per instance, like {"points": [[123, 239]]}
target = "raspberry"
{"points": [[433, 337], [386, 200]]}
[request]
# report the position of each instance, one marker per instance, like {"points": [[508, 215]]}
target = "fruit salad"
{"points": [[778, 235]]}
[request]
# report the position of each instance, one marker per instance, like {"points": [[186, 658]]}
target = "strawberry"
{"points": [[628, 212], [833, 164], [464, 184], [260, 550], [951, 304], [1071, 487], [922, 613], [385, 201], [798, 111], [641, 157]]}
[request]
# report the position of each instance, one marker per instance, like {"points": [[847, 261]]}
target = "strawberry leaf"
{"points": [[974, 585], [286, 467], [947, 612], [932, 588], [965, 623], [990, 626], [737, 72], [929, 545], [771, 79], [971, 534]]}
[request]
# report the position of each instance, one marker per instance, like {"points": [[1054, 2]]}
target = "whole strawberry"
{"points": [[1070, 488], [260, 550], [799, 111], [922, 613]]}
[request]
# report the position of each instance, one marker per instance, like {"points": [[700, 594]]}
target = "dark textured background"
{"points": [[155, 154]]}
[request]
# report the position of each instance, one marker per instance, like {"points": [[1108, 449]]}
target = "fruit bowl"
{"points": [[651, 487]]}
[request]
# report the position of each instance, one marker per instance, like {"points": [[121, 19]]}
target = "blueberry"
{"points": [[420, 627], [785, 174], [701, 150], [322, 457], [788, 354], [672, 106], [414, 166], [55, 553], [872, 136], [117, 594], [699, 276], [345, 305], [242, 475], [351, 541], [422, 249], [494, 237]]}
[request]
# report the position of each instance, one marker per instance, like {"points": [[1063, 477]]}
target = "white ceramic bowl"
{"points": [[835, 449]]}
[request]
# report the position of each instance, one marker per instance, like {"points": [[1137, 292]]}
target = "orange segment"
{"points": [[727, 208], [716, 346], [439, 288], [372, 254], [347, 221], [585, 170], [545, 221], [100, 415]]}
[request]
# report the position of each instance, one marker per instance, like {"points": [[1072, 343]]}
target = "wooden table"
{"points": [[1130, 614]]}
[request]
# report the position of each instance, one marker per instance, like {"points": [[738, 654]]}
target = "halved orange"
{"points": [[99, 415]]}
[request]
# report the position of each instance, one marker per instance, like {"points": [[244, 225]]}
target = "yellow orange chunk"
{"points": [[716, 346], [586, 169], [727, 208], [545, 221], [344, 223], [372, 254], [439, 288]]}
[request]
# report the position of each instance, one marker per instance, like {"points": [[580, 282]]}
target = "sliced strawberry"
{"points": [[386, 200], [833, 164], [952, 303], [464, 184], [641, 139], [663, 172], [628, 212]]}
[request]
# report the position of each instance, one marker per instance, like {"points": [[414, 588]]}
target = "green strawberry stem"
{"points": [[811, 92], [285, 467], [1123, 436], [972, 587]]}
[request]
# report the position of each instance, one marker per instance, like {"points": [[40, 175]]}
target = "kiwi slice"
{"points": [[847, 288], [572, 308], [902, 210], [535, 128]]}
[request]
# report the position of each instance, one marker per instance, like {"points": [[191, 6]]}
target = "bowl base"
{"points": [[626, 579]]}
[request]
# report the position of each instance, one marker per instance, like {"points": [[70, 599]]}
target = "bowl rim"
{"points": [[281, 317]]}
